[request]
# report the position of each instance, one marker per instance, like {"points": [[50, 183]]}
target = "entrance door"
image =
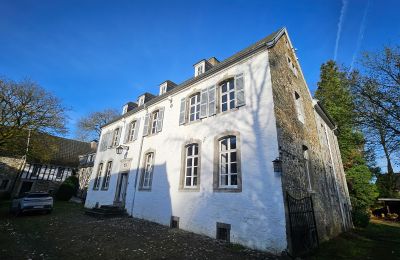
{"points": [[26, 186], [121, 189]]}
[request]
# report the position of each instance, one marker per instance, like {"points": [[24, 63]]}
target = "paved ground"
{"points": [[69, 234]]}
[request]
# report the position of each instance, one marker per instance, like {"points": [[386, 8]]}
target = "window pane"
{"points": [[234, 179], [189, 172], [234, 168], [232, 104], [194, 181], [224, 158], [191, 117], [188, 182], [195, 171], [223, 87], [196, 149], [233, 157], [233, 142], [189, 162], [224, 98], [232, 95], [189, 150], [224, 179], [231, 85], [224, 143], [224, 107]]}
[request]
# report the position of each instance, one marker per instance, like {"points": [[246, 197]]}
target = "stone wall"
{"points": [[9, 168], [293, 135]]}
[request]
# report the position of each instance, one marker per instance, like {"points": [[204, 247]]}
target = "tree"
{"points": [[27, 106], [89, 126], [377, 99], [335, 95]]}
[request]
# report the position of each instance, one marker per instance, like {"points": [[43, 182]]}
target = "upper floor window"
{"points": [[96, 183], [153, 122], [115, 140], [191, 165], [107, 176], [299, 107], [131, 131], [147, 174], [227, 93], [194, 107], [228, 163]]}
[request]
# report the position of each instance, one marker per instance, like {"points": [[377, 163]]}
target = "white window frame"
{"points": [[153, 121], [195, 106], [194, 167], [148, 171], [228, 162], [107, 176], [132, 129], [230, 88], [96, 184], [115, 139]]}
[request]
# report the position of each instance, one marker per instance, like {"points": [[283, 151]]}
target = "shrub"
{"points": [[68, 188], [360, 217]]}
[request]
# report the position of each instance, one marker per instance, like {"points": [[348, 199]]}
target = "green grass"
{"points": [[379, 240]]}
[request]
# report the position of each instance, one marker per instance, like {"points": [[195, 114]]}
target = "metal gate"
{"points": [[303, 229]]}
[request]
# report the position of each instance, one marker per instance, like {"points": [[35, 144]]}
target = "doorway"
{"points": [[122, 185]]}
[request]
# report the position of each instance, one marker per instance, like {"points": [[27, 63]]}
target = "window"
{"points": [[194, 107], [291, 65], [36, 169], [299, 107], [199, 70], [191, 165], [115, 139], [147, 173], [154, 119], [131, 132], [228, 168], [227, 93], [107, 175], [97, 178], [306, 158], [223, 231], [141, 100], [60, 172], [4, 184]]}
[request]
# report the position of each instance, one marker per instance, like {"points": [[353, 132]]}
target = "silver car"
{"points": [[32, 201]]}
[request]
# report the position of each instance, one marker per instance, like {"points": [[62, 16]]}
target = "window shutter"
{"points": [[211, 100], [146, 124], [109, 139], [160, 119], [127, 130], [135, 136], [182, 112], [203, 103], [239, 89]]}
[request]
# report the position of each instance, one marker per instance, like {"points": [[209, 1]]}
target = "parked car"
{"points": [[32, 201]]}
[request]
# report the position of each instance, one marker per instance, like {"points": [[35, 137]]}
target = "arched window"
{"points": [[228, 162], [191, 166], [194, 107]]}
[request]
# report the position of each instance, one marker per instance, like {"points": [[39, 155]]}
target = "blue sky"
{"points": [[101, 54]]}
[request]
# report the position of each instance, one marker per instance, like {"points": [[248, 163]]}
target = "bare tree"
{"points": [[89, 126], [27, 106]]}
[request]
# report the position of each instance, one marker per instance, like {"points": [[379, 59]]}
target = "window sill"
{"points": [[187, 189], [220, 189]]}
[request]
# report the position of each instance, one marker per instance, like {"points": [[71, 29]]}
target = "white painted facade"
{"points": [[256, 213]]}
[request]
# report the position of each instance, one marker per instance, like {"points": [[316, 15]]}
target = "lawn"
{"points": [[379, 240]]}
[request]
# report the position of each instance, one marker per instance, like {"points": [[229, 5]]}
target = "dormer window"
{"points": [[166, 86], [141, 100], [199, 70], [201, 67]]}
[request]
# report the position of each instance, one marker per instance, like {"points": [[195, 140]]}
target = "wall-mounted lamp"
{"points": [[121, 148], [277, 165]]}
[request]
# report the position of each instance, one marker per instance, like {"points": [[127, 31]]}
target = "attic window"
{"points": [[199, 70], [141, 101]]}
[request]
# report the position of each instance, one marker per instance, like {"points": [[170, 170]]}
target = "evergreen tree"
{"points": [[334, 93]]}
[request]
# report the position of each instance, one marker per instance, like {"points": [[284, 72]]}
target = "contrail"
{"points": [[339, 29], [360, 35]]}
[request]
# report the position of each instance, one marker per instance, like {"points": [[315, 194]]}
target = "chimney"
{"points": [[166, 86], [128, 107], [213, 61], [93, 145]]}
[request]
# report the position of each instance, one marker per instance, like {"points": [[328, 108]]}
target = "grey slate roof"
{"points": [[267, 42]]}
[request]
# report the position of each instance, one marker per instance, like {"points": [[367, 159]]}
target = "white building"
{"points": [[207, 155]]}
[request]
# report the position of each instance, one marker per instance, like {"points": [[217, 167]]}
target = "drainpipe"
{"points": [[138, 165]]}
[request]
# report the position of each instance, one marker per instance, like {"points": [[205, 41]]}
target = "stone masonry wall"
{"points": [[9, 168], [293, 135]]}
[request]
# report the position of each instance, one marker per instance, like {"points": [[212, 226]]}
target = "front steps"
{"points": [[106, 211]]}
